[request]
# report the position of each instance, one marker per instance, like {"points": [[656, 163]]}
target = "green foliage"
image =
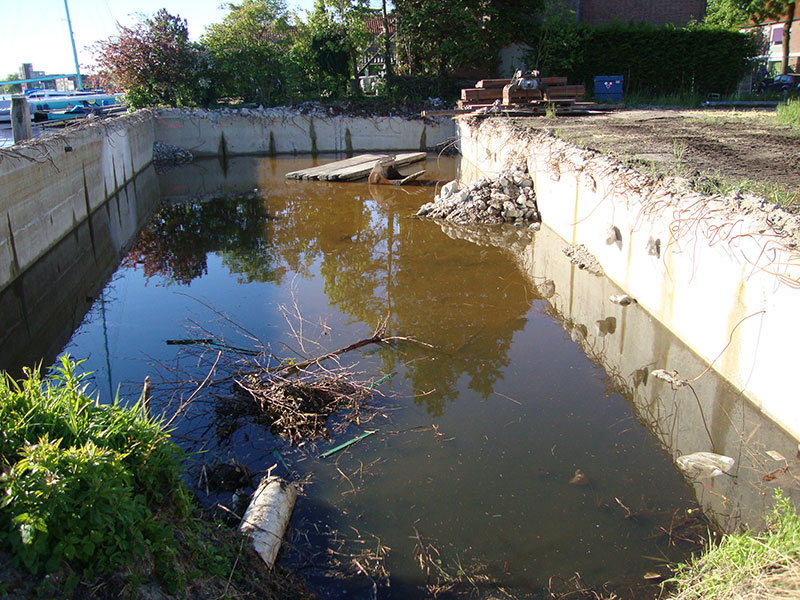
{"points": [[248, 49], [11, 88], [80, 480], [155, 63], [654, 60], [559, 45], [437, 38], [737, 562], [726, 14], [327, 48]]}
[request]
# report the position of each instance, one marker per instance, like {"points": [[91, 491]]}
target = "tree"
{"points": [[155, 63], [780, 10], [439, 36], [11, 88], [338, 29], [248, 49], [726, 14], [735, 14]]}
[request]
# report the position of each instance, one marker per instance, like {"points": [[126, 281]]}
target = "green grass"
{"points": [[684, 100], [747, 566], [789, 114]]}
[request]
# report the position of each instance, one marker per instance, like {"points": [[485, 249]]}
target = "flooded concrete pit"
{"points": [[534, 373]]}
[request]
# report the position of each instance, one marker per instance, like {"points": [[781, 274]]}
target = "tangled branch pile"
{"points": [[297, 409]]}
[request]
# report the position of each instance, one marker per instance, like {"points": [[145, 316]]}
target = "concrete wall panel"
{"points": [[49, 186], [722, 285], [283, 131]]}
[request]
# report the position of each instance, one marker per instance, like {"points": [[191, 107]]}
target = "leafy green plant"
{"points": [[741, 563], [81, 480], [156, 64]]}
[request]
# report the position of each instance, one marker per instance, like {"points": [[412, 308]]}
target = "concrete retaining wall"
{"points": [[284, 131], [50, 185], [722, 285], [628, 343]]}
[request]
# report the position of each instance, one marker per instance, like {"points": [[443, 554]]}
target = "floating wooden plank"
{"points": [[313, 172], [355, 168]]}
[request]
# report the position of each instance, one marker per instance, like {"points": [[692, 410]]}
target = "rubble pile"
{"points": [[166, 156], [508, 198]]}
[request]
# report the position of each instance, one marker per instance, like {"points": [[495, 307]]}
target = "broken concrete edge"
{"points": [[267, 517], [721, 273]]}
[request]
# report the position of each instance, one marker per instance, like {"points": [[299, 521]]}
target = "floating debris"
{"points": [[579, 478], [267, 517], [670, 376], [704, 464], [623, 299], [347, 444]]}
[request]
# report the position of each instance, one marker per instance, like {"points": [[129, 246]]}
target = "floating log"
{"points": [[267, 517], [385, 173], [355, 168]]}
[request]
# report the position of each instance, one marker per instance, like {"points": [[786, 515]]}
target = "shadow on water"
{"points": [[531, 374]]}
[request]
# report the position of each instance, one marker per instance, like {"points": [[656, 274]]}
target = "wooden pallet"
{"points": [[553, 90], [355, 168]]}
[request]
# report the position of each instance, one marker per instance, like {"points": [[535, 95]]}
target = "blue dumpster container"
{"points": [[608, 88]]}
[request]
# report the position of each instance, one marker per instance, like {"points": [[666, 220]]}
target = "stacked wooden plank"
{"points": [[353, 169], [552, 90]]}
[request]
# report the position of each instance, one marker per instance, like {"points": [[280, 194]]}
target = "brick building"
{"points": [[772, 33], [674, 12]]}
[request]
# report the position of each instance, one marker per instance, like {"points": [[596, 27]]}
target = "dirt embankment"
{"points": [[711, 147]]}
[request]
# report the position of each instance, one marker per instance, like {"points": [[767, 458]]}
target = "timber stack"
{"points": [[523, 91]]}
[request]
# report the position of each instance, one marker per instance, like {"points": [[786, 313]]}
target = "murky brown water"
{"points": [[531, 375]]}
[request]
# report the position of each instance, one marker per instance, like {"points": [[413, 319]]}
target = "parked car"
{"points": [[787, 83]]}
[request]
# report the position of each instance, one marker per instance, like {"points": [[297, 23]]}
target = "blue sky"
{"points": [[36, 32]]}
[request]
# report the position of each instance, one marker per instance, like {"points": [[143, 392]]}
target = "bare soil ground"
{"points": [[741, 146]]}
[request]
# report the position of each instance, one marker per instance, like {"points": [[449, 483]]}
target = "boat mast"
{"points": [[74, 51]]}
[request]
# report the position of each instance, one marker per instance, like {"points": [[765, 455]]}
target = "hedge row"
{"points": [[654, 60]]}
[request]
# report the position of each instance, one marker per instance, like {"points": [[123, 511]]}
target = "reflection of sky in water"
{"points": [[518, 405]]}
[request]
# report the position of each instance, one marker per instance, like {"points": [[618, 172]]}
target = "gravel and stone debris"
{"points": [[167, 156], [507, 198], [579, 255]]}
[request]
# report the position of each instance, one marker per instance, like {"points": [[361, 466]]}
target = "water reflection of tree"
{"points": [[464, 299], [176, 243], [375, 262]]}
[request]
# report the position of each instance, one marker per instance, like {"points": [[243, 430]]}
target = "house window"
{"points": [[777, 36]]}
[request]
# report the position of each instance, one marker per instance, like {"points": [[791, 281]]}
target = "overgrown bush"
{"points": [[655, 61], [81, 481], [156, 64]]}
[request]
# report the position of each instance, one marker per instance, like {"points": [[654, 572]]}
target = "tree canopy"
{"points": [[735, 14], [248, 47], [155, 62]]}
